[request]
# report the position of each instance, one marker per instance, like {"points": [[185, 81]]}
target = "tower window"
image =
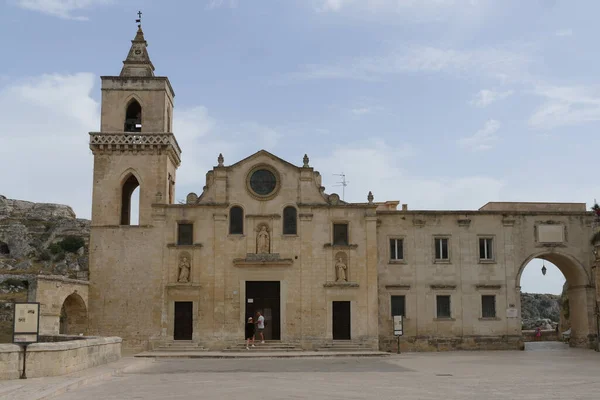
{"points": [[133, 117], [289, 221], [236, 221], [130, 185]]}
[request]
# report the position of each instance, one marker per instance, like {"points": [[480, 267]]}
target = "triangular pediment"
{"points": [[259, 154]]}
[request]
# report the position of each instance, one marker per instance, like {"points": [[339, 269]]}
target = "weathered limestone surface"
{"points": [[58, 358]]}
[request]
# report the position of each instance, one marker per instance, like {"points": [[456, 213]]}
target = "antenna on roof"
{"points": [[343, 183]]}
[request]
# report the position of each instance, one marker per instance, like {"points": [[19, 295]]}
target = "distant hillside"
{"points": [[537, 308]]}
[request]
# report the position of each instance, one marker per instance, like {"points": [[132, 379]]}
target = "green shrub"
{"points": [[71, 244], [44, 256], [55, 248]]}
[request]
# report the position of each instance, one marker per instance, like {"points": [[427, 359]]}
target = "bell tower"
{"points": [[135, 147]]}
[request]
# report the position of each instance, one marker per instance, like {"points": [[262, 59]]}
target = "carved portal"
{"points": [[184, 269], [341, 267], [263, 239]]}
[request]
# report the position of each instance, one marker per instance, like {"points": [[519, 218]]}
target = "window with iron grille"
{"points": [[398, 306], [185, 234], [488, 306], [486, 249], [396, 249], [340, 234], [441, 249], [443, 307]]}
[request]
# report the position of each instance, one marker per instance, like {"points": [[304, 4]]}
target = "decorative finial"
{"points": [[220, 159], [305, 161], [370, 197], [139, 19]]}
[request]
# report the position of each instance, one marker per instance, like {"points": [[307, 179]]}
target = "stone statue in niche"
{"points": [[262, 241], [341, 270], [184, 270]]}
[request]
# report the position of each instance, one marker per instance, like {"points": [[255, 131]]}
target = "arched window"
{"points": [[133, 117], [289, 221], [236, 221], [130, 185]]}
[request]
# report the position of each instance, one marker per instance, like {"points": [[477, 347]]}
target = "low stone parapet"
{"points": [[547, 336], [58, 358]]}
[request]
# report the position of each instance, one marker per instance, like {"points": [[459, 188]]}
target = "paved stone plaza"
{"points": [[544, 371]]}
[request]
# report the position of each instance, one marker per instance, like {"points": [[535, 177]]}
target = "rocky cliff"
{"points": [[37, 239], [542, 310]]}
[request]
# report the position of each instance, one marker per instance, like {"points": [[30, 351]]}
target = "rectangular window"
{"points": [[185, 234], [396, 249], [486, 249], [340, 234], [398, 306], [488, 306], [441, 249], [443, 307]]}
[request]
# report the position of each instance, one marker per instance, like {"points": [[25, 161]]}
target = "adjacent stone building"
{"points": [[265, 236]]}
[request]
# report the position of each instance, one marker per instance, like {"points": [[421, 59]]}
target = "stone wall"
{"points": [[547, 336], [58, 358]]}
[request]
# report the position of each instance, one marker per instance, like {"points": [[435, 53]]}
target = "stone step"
{"points": [[262, 350]]}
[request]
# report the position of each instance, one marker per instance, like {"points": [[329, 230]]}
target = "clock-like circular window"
{"points": [[263, 182]]}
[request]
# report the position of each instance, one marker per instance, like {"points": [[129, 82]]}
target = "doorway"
{"points": [[265, 297], [183, 326], [341, 320]]}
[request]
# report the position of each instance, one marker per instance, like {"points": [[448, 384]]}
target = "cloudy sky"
{"points": [[441, 104]]}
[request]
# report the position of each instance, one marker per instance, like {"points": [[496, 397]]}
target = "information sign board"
{"points": [[26, 323]]}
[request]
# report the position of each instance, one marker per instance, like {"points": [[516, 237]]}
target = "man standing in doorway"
{"points": [[260, 325]]}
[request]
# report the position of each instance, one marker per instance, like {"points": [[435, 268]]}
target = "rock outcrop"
{"points": [[37, 239], [541, 310], [40, 238]]}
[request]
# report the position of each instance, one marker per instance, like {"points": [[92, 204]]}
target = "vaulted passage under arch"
{"points": [[580, 293], [73, 316], [129, 186]]}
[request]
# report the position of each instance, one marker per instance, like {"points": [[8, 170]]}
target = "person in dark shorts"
{"points": [[250, 329]]}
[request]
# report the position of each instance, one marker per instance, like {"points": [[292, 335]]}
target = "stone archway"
{"points": [[73, 316], [580, 291]]}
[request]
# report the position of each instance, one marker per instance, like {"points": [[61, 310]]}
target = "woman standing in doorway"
{"points": [[250, 329]]}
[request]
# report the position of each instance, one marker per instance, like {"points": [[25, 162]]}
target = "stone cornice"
{"points": [[136, 142]]}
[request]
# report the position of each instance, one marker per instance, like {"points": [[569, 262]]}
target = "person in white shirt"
{"points": [[260, 325]]}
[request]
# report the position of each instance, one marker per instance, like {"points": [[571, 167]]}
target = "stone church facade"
{"points": [[263, 235]]}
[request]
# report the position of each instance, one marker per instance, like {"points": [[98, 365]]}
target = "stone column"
{"points": [[372, 278], [304, 230], [219, 265], [580, 324]]}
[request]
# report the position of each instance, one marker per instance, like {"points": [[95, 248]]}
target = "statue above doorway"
{"points": [[263, 240]]}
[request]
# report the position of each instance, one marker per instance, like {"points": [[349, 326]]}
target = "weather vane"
{"points": [[139, 19]]}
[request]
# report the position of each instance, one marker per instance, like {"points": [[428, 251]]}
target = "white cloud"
{"points": [[44, 125], [396, 183], [61, 8], [564, 32], [396, 6], [486, 97], [222, 3], [361, 110], [497, 63], [566, 106], [483, 139]]}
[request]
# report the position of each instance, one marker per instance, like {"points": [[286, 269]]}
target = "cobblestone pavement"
{"points": [[543, 371]]}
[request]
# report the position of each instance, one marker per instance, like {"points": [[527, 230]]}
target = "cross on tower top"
{"points": [[139, 19]]}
